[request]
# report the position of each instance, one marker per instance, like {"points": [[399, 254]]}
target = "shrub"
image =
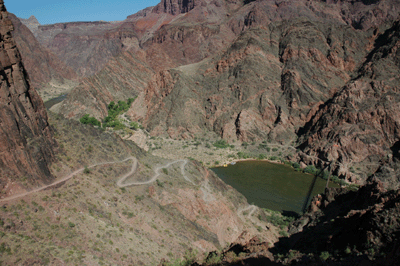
{"points": [[296, 165], [214, 258], [283, 233], [135, 125], [325, 175], [278, 219], [347, 250], [352, 187], [71, 224], [262, 146], [335, 178], [324, 255], [86, 170], [262, 156], [159, 183], [221, 144], [311, 169], [116, 124], [86, 119], [242, 155]]}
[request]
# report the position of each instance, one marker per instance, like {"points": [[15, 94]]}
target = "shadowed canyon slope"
{"points": [[26, 139], [250, 70]]}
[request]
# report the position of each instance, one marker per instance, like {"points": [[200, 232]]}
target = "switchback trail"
{"points": [[205, 188], [156, 174], [66, 178]]}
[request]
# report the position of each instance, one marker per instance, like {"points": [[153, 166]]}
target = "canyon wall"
{"points": [[26, 142], [42, 66], [249, 71]]}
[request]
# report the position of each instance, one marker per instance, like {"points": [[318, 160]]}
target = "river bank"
{"points": [[203, 149]]}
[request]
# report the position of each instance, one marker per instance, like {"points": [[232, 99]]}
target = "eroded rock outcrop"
{"points": [[26, 143], [351, 226], [359, 126], [176, 7]]}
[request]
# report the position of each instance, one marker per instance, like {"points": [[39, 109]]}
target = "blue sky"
{"points": [[53, 11]]}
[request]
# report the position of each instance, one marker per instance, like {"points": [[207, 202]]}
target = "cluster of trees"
{"points": [[115, 110], [86, 119], [111, 120]]}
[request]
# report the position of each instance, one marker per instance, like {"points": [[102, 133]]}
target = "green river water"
{"points": [[268, 185], [50, 103]]}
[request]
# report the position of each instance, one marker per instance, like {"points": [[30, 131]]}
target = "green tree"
{"points": [[86, 119]]}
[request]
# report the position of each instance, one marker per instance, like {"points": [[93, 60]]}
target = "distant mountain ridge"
{"points": [[32, 23]]}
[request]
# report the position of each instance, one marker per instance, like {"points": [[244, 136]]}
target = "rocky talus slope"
{"points": [[26, 139]]}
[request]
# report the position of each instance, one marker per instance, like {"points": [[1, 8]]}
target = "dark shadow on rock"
{"points": [[255, 262], [290, 214], [396, 149], [348, 226]]}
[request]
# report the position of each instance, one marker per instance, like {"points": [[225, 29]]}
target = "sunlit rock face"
{"points": [[26, 140]]}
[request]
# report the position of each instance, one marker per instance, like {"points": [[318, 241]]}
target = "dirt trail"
{"points": [[63, 179], [156, 174], [250, 208], [205, 187]]}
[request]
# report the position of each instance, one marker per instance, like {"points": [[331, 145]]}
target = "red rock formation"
{"points": [[176, 7], [361, 123], [26, 143], [271, 67], [41, 65]]}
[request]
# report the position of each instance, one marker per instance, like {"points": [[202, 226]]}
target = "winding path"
{"points": [[156, 174], [250, 208], [205, 187], [65, 179]]}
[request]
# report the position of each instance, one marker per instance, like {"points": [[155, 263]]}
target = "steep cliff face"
{"points": [[360, 124], [26, 143], [41, 65], [176, 7]]}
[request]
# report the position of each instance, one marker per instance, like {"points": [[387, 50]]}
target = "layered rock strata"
{"points": [[26, 143]]}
